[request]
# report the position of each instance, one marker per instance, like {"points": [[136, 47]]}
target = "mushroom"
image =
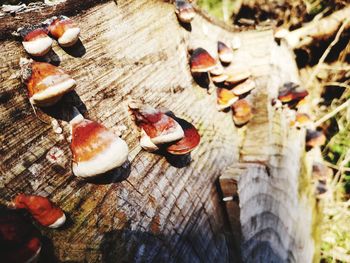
{"points": [[201, 61], [157, 125], [225, 53], [219, 78], [64, 30], [314, 138], [236, 43], [302, 119], [217, 70], [242, 112], [184, 11], [146, 142], [236, 76], [20, 240], [41, 208], [291, 94], [46, 83], [243, 87], [225, 98], [36, 42], [96, 149], [190, 140]]}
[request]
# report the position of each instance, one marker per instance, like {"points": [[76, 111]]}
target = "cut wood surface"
{"points": [[159, 212]]}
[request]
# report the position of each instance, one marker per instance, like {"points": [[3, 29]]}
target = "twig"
{"points": [[332, 113], [325, 54]]}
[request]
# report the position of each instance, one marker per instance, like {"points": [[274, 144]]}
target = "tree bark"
{"points": [[128, 50]]}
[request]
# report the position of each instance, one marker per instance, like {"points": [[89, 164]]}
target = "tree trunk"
{"points": [[161, 212]]}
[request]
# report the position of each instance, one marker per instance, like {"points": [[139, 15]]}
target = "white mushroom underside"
{"points": [[226, 57], [59, 222], [244, 87], [69, 37], [146, 142], [39, 46], [112, 157], [175, 135], [47, 96]]}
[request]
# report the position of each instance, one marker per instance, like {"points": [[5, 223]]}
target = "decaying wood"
{"points": [[163, 210], [275, 208]]}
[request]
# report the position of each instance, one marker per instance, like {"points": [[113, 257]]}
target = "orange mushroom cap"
{"points": [[41, 208], [242, 112], [202, 61], [225, 98]]}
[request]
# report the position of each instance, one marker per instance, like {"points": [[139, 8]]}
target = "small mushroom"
{"points": [[184, 11], [157, 125], [201, 61], [96, 149], [36, 42], [219, 78], [302, 119], [291, 94], [190, 140], [314, 138], [236, 76], [64, 30], [225, 98], [243, 87], [217, 70], [41, 208], [20, 240], [225, 53], [242, 112], [46, 83]]}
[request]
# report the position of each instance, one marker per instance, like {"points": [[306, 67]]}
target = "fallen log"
{"points": [[160, 211]]}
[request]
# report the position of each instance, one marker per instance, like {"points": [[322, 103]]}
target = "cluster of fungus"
{"points": [[293, 96], [37, 41], [162, 130], [233, 84]]}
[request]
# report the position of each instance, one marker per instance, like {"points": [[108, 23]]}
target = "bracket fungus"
{"points": [[184, 11], [201, 61], [237, 76], [242, 112], [41, 208], [46, 83], [190, 140], [292, 94], [36, 41], [225, 98], [96, 149], [20, 240], [225, 53], [219, 78], [163, 130], [64, 30], [244, 87]]}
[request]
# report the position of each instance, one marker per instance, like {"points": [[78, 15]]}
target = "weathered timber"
{"points": [[269, 205], [129, 50]]}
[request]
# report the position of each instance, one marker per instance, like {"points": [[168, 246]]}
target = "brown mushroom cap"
{"points": [[96, 149], [46, 83], [158, 126], [225, 53], [36, 42], [237, 76], [217, 70], [201, 61], [314, 138], [188, 142], [242, 112], [291, 92], [65, 30], [225, 98], [42, 209], [244, 87], [184, 11], [302, 118]]}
